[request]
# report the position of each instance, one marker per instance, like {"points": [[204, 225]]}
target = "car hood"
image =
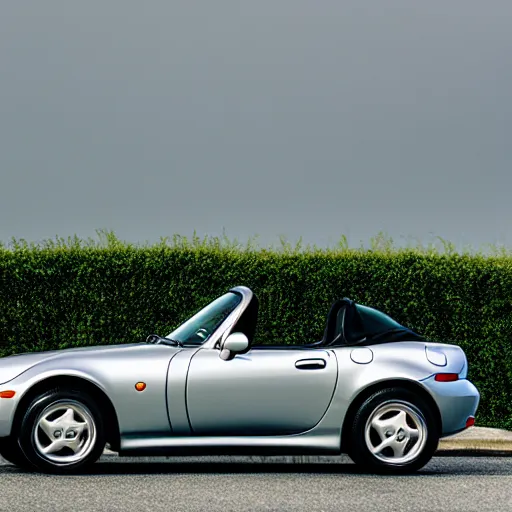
{"points": [[12, 366]]}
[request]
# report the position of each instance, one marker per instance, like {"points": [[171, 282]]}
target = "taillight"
{"points": [[470, 421], [446, 377]]}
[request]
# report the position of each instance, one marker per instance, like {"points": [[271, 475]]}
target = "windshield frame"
{"points": [[223, 329]]}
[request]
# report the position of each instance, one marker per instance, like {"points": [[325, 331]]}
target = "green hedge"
{"points": [[66, 294]]}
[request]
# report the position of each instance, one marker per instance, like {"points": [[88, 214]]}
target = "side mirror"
{"points": [[235, 343]]}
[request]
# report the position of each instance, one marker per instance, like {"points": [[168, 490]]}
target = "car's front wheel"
{"points": [[62, 431], [394, 431]]}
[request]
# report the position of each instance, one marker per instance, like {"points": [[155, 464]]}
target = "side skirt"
{"points": [[319, 444]]}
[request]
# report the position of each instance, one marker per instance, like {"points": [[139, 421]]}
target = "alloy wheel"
{"points": [[64, 432], [396, 432]]}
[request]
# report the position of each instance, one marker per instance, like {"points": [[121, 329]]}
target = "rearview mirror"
{"points": [[235, 343]]}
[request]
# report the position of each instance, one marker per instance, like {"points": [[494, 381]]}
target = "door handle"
{"points": [[310, 364]]}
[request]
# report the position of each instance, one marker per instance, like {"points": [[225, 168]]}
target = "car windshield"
{"points": [[199, 328]]}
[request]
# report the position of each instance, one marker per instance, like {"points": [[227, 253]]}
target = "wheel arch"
{"points": [[77, 383], [365, 393]]}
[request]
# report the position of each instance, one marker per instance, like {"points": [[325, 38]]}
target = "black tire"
{"points": [[10, 450], [416, 451], [74, 414]]}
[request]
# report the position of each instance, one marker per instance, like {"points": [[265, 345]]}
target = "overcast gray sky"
{"points": [[264, 117]]}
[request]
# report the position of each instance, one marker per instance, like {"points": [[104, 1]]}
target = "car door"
{"points": [[267, 391]]}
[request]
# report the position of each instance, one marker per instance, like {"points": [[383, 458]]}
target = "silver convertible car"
{"points": [[370, 388]]}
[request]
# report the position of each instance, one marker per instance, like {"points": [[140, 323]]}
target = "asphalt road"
{"points": [[445, 484]]}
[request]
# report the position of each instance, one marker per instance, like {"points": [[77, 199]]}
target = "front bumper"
{"points": [[7, 411], [457, 401]]}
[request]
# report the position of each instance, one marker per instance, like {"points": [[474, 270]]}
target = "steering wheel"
{"points": [[202, 333]]}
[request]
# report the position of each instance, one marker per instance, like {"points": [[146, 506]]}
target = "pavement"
{"points": [[454, 484], [471, 471]]}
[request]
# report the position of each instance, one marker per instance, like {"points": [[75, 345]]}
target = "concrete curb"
{"points": [[473, 453]]}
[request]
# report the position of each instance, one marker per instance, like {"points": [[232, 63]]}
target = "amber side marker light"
{"points": [[446, 377], [7, 394], [140, 386]]}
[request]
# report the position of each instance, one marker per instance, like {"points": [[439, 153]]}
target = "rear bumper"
{"points": [[457, 401]]}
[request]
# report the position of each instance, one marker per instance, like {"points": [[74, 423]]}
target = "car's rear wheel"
{"points": [[62, 431], [394, 431]]}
